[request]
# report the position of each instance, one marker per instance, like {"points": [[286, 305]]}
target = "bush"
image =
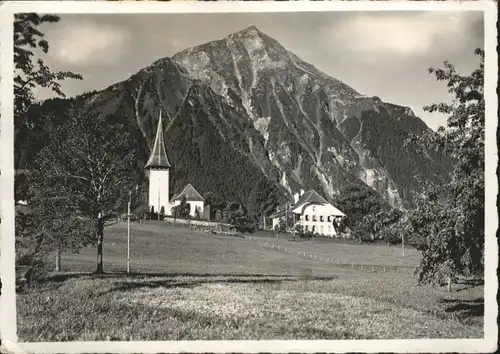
{"points": [[245, 227], [152, 214], [308, 235], [392, 238], [39, 267], [363, 236]]}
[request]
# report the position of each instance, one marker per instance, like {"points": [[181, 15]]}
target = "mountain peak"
{"points": [[251, 30]]}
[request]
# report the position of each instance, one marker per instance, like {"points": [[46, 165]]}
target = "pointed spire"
{"points": [[158, 157]]}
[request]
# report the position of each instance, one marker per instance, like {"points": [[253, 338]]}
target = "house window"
{"points": [[314, 217], [329, 218], [321, 218], [307, 227], [307, 217], [313, 228], [321, 229]]}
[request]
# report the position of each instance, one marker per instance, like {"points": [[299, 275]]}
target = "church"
{"points": [[158, 169]]}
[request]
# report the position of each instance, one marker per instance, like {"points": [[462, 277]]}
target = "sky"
{"points": [[386, 54]]}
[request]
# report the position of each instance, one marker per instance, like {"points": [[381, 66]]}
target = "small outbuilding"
{"points": [[193, 199]]}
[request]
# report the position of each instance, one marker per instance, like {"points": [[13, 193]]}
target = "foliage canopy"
{"points": [[85, 173], [29, 75], [449, 218]]}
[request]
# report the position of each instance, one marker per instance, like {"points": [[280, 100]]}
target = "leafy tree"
{"points": [[197, 213], [182, 210], [89, 164], [236, 215], [142, 211], [382, 225], [216, 202], [48, 225], [449, 218], [152, 214], [286, 223], [392, 227], [281, 227], [264, 199], [20, 186], [298, 230], [358, 201], [218, 215], [29, 75]]}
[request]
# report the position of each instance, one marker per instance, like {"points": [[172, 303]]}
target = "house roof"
{"points": [[309, 197], [337, 212], [190, 193], [278, 214], [158, 157]]}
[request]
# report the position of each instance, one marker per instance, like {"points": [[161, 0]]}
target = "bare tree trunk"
{"points": [[449, 283], [100, 238], [58, 260]]}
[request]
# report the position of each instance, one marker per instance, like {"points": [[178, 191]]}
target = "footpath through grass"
{"points": [[200, 286]]}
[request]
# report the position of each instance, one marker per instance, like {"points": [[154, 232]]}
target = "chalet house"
{"points": [[193, 199], [313, 212]]}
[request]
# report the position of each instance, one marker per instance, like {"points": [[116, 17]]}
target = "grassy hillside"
{"points": [[193, 285]]}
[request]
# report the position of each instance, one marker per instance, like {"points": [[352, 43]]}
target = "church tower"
{"points": [[159, 168]]}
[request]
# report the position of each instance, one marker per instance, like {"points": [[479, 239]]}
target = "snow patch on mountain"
{"points": [[262, 124], [284, 152], [327, 185], [284, 182], [409, 112], [371, 177], [393, 196], [196, 62], [298, 168], [342, 161]]}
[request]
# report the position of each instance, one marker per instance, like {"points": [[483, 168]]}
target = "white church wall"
{"points": [[159, 190], [193, 206], [276, 222]]}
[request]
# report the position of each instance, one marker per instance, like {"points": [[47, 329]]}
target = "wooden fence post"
{"points": [[58, 260]]}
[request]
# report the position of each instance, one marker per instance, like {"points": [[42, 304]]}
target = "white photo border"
{"points": [[8, 326]]}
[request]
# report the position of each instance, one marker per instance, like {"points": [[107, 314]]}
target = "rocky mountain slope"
{"points": [[251, 121]]}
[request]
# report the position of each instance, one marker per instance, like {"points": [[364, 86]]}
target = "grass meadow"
{"points": [[189, 285]]}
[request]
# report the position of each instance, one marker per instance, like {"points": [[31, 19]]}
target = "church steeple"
{"points": [[158, 157], [159, 170]]}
